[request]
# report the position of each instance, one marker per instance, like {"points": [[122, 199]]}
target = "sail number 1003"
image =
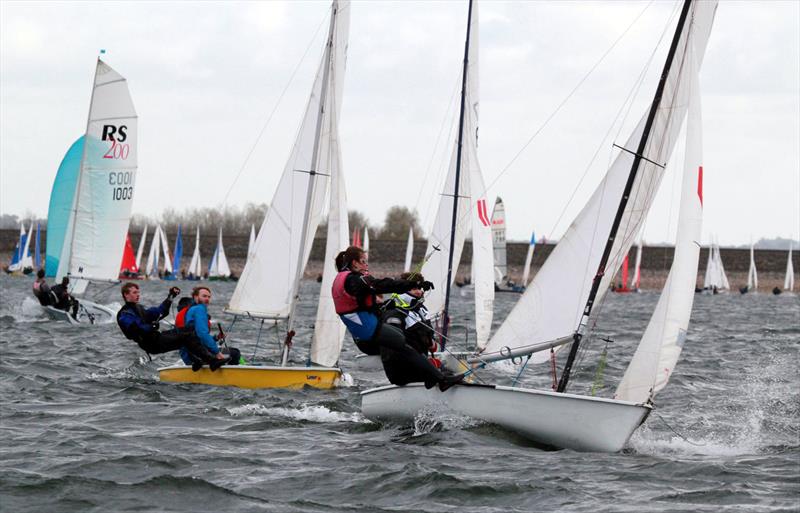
{"points": [[123, 185]]}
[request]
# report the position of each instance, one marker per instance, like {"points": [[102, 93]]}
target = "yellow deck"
{"points": [[254, 376]]}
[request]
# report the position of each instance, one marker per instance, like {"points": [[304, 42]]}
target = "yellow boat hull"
{"points": [[254, 376]]}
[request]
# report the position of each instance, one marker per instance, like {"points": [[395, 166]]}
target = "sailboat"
{"points": [[557, 309], [501, 281], [251, 243], [752, 274], [140, 250], [159, 252], [528, 259], [409, 250], [92, 195], [623, 285], [637, 267], [37, 251], [177, 254], [195, 271], [128, 268], [269, 287], [788, 280], [715, 280], [218, 268], [365, 246], [21, 258]]}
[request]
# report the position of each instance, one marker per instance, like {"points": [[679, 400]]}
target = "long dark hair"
{"points": [[347, 257]]}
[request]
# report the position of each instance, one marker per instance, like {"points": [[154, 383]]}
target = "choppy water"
{"points": [[87, 426]]}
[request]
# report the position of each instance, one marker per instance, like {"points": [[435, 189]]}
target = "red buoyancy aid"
{"points": [[180, 318], [343, 301]]}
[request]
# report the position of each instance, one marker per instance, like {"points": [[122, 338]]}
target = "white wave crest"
{"points": [[306, 413]]}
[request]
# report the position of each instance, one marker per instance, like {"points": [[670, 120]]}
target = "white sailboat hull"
{"points": [[563, 421], [88, 313]]}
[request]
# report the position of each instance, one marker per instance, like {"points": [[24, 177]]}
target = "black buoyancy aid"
{"points": [[131, 331]]}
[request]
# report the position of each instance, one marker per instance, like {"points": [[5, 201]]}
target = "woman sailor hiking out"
{"points": [[355, 296]]}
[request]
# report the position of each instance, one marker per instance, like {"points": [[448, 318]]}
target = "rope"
{"points": [[272, 113], [677, 432]]}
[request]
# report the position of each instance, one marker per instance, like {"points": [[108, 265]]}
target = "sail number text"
{"points": [[122, 183]]}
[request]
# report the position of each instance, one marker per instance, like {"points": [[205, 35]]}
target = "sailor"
{"points": [[41, 289], [194, 316], [407, 312], [142, 326], [355, 297], [62, 299]]}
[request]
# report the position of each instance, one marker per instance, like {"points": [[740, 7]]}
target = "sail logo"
{"points": [[117, 135], [482, 213]]}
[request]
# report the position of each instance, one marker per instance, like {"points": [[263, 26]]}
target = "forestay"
{"points": [[552, 305], [269, 282], [663, 339], [101, 208]]}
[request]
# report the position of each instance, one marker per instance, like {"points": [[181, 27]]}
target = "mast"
{"points": [[311, 178], [601, 268], [446, 317], [74, 209]]}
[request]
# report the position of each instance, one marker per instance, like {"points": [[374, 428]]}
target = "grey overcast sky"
{"points": [[204, 77]]}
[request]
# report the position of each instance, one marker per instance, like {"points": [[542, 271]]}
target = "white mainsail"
{"points": [[165, 252], [195, 267], [752, 274], [270, 280], [251, 243], [409, 250], [528, 259], [140, 251], [553, 304], [219, 262], [788, 281], [663, 339], [19, 256], [101, 208], [153, 257], [499, 242], [365, 246], [472, 212], [27, 259]]}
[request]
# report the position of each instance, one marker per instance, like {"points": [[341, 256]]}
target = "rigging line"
{"points": [[677, 432], [629, 101], [446, 117], [272, 113], [569, 95]]}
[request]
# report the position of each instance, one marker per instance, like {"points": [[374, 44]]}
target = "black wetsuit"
{"points": [[398, 365], [63, 299]]}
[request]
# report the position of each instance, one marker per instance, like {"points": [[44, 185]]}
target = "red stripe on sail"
{"points": [[482, 212], [700, 184]]}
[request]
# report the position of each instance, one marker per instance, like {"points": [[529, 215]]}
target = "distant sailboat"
{"points": [[218, 268], [637, 268], [365, 247], [90, 203], [195, 271], [128, 268], [251, 244], [37, 256], [528, 259], [140, 251], [788, 281], [715, 280], [269, 287], [177, 254], [752, 274], [409, 250], [20, 257]]}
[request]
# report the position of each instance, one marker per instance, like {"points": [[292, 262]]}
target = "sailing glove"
{"points": [[173, 293], [426, 286]]}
